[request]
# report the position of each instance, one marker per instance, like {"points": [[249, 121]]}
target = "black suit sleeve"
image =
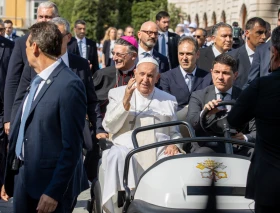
{"points": [[94, 58], [15, 69], [164, 84], [22, 88], [194, 109], [244, 109]]}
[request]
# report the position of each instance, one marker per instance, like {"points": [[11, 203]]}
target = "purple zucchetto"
{"points": [[131, 40]]}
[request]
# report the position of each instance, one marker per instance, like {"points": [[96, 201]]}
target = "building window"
{"points": [[36, 5], [1, 10]]}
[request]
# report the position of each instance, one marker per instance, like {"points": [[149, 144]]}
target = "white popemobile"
{"points": [[184, 183]]}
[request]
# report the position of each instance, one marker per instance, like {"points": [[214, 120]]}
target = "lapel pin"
{"points": [[49, 81]]}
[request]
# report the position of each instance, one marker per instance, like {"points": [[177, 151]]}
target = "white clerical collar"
{"points": [[219, 92], [216, 51], [184, 72], [48, 71], [148, 96], [250, 52], [65, 58], [127, 71], [83, 39], [141, 50]]}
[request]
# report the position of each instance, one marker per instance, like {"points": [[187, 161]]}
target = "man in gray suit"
{"points": [[260, 66], [255, 35]]}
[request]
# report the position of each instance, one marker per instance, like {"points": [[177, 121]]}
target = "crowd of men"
{"points": [[55, 100]]}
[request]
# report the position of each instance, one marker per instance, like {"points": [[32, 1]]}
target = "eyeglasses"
{"points": [[197, 36], [150, 33], [120, 55]]}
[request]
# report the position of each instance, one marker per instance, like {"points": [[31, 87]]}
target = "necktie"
{"points": [[34, 85], [80, 48], [145, 54], [163, 45], [223, 96], [190, 77]]}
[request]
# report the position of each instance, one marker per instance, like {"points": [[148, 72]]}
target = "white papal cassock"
{"points": [[158, 107]]}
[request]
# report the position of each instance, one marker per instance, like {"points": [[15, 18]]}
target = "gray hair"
{"points": [[61, 21], [216, 27], [49, 4]]}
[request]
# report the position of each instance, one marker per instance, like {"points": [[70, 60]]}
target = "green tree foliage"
{"points": [[176, 15], [65, 8], [142, 11], [86, 10]]}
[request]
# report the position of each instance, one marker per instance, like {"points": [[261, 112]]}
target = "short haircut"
{"points": [[61, 21], [8, 22], [267, 26], [278, 12], [216, 27], [226, 60], [48, 38], [180, 29], [189, 39], [79, 22], [252, 21], [162, 14], [49, 4], [128, 27], [275, 38], [203, 30], [123, 42]]}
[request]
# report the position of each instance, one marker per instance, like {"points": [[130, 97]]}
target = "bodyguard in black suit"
{"points": [[175, 81], [170, 39], [6, 47], [45, 149], [261, 100], [255, 35], [46, 11], [223, 74], [148, 35], [222, 37], [88, 46]]}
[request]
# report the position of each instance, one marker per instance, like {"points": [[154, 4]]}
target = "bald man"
{"points": [[148, 36]]}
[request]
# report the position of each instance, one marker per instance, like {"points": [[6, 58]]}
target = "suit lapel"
{"points": [[210, 94], [2, 49], [46, 85], [243, 55], [87, 49], [235, 93], [198, 79], [180, 79]]}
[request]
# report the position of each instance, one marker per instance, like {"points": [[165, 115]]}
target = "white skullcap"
{"points": [[180, 25], [193, 25], [149, 60], [186, 22]]}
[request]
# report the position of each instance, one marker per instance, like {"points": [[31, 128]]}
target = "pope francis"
{"points": [[139, 103]]}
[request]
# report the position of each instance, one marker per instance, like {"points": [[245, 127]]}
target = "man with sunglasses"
{"points": [[148, 36], [200, 36]]}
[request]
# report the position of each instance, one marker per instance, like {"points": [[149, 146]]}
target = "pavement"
{"points": [[7, 207]]}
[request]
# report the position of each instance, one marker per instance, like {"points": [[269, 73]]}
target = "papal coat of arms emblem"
{"points": [[212, 170]]}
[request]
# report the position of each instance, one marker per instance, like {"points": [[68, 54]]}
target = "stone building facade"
{"points": [[206, 13]]}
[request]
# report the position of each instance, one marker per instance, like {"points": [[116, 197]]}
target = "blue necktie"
{"points": [[34, 85], [146, 54], [163, 45]]}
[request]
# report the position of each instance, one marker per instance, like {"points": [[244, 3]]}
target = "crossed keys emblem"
{"points": [[212, 170]]}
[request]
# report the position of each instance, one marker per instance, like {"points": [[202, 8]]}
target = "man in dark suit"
{"points": [[255, 35], [45, 149], [45, 12], [84, 47], [79, 66], [222, 38], [224, 73], [261, 61], [8, 24], [148, 35], [167, 43], [187, 77], [261, 100], [6, 47]]}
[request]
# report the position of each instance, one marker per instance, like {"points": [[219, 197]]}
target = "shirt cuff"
{"points": [[245, 138]]}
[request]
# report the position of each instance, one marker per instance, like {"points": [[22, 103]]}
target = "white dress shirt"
{"points": [[184, 73], [216, 51], [10, 37], [65, 58], [84, 47], [250, 52], [44, 75], [141, 51]]}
